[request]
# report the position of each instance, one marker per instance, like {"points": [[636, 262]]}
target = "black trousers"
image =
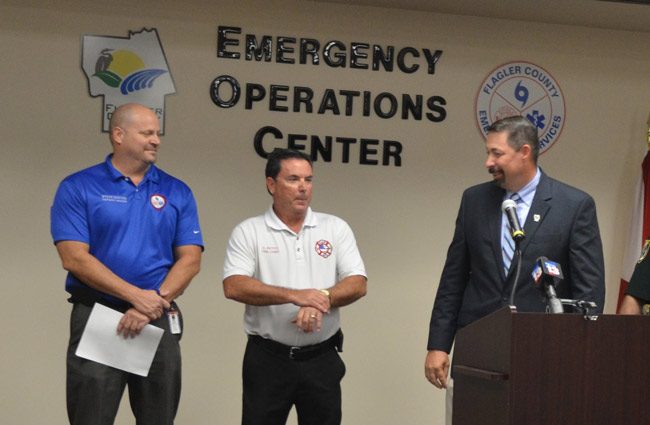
{"points": [[94, 390], [273, 384]]}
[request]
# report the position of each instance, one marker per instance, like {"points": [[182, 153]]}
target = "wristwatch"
{"points": [[326, 293]]}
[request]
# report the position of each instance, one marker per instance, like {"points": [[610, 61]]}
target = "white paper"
{"points": [[101, 343]]}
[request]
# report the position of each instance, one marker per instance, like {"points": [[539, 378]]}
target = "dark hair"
{"points": [[273, 163], [520, 132]]}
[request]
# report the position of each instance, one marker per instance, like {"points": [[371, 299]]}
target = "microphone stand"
{"points": [[554, 304], [585, 307], [516, 257]]}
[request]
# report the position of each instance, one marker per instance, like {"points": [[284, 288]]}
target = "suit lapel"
{"points": [[494, 225], [538, 209]]}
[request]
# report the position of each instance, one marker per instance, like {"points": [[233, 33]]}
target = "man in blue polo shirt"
{"points": [[128, 234]]}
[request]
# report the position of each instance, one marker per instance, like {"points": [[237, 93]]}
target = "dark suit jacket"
{"points": [[561, 225]]}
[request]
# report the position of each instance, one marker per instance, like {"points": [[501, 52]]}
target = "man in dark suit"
{"points": [[559, 222]]}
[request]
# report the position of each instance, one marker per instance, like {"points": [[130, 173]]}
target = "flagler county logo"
{"points": [[526, 89], [323, 248], [125, 70]]}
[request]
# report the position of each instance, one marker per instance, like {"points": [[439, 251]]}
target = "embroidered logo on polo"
{"points": [[158, 201], [323, 248]]}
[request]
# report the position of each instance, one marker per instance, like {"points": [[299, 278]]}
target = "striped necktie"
{"points": [[507, 244]]}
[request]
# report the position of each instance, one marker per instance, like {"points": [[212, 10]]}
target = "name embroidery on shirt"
{"points": [[323, 248], [114, 198], [270, 250]]}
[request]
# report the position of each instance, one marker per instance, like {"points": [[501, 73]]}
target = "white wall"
{"points": [[402, 216]]}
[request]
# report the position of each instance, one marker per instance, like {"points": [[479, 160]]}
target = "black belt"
{"points": [[300, 353]]}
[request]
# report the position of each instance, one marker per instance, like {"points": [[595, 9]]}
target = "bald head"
{"points": [[126, 114], [135, 137]]}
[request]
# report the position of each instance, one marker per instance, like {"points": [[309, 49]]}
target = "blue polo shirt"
{"points": [[132, 230]]}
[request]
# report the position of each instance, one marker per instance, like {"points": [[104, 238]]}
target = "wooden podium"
{"points": [[552, 369]]}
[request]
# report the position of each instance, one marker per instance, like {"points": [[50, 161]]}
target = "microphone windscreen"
{"points": [[508, 203]]}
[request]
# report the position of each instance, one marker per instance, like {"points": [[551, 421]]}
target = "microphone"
{"points": [[548, 274], [509, 207]]}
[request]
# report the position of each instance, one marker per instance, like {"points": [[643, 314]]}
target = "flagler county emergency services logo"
{"points": [[526, 89], [125, 70], [158, 201], [324, 248]]}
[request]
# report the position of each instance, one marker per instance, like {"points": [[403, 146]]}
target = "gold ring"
{"points": [[313, 316]]}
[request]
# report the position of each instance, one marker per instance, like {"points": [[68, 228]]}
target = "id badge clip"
{"points": [[173, 315]]}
